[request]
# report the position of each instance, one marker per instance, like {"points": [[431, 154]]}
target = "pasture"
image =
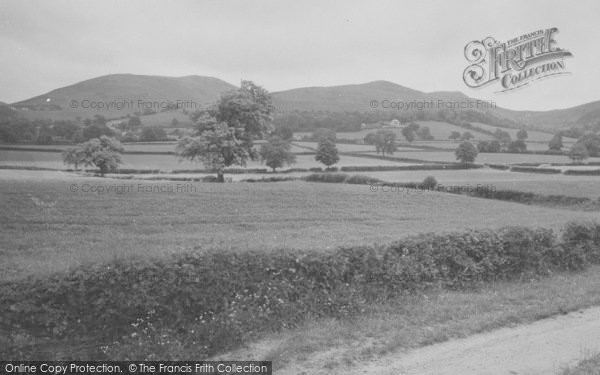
{"points": [[48, 228], [439, 130], [532, 135], [546, 184], [487, 158], [166, 162]]}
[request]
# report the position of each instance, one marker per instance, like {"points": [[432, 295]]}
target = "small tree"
{"points": [[409, 134], [277, 152], [578, 152], [327, 152], [455, 136], [502, 136], [518, 146], [466, 152], [413, 126], [103, 153], [522, 135], [425, 134], [429, 183], [556, 143], [385, 141]]}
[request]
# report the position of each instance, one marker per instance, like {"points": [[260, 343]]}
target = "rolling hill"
{"points": [[199, 91], [133, 91], [354, 97]]}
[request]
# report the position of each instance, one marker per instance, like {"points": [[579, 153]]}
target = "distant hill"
{"points": [[343, 98], [586, 115], [198, 91], [192, 91], [349, 98]]}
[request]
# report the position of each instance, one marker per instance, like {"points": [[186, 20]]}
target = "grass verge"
{"points": [[435, 316]]}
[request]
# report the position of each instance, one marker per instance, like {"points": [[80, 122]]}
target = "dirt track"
{"points": [[539, 348]]}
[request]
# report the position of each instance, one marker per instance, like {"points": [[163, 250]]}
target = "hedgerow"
{"points": [[535, 170], [201, 303]]}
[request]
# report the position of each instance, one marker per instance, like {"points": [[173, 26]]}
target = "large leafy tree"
{"points": [[225, 132], [277, 152], [466, 152]]}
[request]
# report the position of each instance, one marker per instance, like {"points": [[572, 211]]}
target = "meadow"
{"points": [[487, 158], [439, 130], [48, 228], [167, 162]]}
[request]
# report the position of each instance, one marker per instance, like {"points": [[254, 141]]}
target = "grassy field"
{"points": [[532, 135], [348, 147], [451, 145], [491, 158], [168, 162], [555, 184], [439, 130], [48, 228]]}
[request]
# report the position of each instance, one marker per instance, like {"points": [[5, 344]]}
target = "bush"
{"points": [[327, 177], [362, 180], [499, 166], [429, 182]]}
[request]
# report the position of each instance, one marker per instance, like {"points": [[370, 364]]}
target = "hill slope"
{"points": [[135, 90], [196, 91]]}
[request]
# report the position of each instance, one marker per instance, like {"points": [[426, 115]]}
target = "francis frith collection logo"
{"points": [[515, 63]]}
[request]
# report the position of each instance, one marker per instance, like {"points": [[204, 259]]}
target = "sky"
{"points": [[285, 44]]}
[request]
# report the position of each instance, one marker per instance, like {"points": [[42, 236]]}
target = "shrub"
{"points": [[362, 180], [429, 182], [327, 177], [499, 166]]}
